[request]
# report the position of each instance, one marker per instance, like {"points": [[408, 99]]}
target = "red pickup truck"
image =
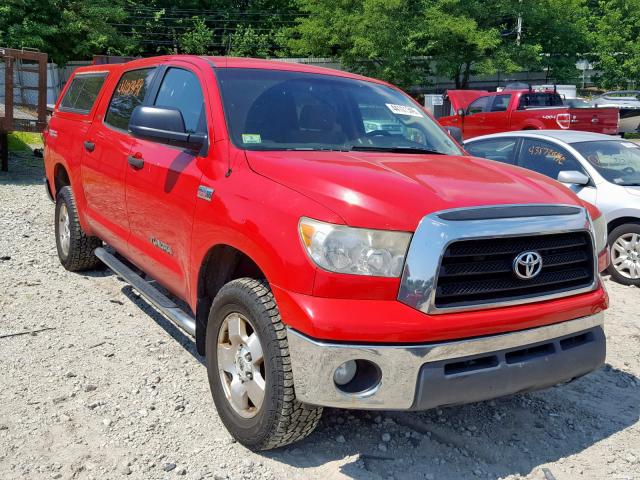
{"points": [[477, 112], [324, 261]]}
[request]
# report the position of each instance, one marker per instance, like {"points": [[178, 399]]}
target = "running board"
{"points": [[160, 302]]}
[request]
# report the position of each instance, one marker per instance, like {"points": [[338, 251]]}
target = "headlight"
{"points": [[600, 233], [357, 251]]}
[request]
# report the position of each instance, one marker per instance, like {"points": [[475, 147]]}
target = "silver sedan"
{"points": [[600, 169]]}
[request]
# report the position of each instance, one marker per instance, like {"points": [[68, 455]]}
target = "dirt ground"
{"points": [[109, 389]]}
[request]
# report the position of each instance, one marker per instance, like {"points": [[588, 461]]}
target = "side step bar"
{"points": [[160, 301]]}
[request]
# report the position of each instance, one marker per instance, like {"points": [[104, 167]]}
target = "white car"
{"points": [[601, 169]]}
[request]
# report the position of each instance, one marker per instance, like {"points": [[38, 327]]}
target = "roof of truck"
{"points": [[228, 62]]}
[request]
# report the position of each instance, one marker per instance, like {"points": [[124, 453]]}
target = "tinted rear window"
{"points": [[532, 100], [82, 93]]}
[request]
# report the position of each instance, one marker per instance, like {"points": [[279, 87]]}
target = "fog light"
{"points": [[345, 373]]}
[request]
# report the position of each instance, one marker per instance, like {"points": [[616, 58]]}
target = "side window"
{"points": [[181, 89], [129, 93], [546, 158], [500, 150], [539, 100], [82, 93], [478, 106], [500, 103]]}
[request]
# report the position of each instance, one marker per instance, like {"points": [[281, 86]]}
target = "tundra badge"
{"points": [[161, 245]]}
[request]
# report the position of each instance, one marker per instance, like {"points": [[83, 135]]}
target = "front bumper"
{"points": [[419, 377]]}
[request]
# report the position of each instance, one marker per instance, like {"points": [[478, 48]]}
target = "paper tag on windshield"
{"points": [[251, 138], [630, 145], [404, 110]]}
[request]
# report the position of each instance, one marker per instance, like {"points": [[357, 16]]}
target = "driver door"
{"points": [[162, 184], [475, 117]]}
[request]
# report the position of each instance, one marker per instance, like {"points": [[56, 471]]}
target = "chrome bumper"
{"points": [[403, 367]]}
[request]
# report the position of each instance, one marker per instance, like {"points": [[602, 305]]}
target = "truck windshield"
{"points": [[617, 161], [284, 110]]}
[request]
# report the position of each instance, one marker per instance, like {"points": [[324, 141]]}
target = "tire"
{"points": [[277, 419], [75, 248], [625, 254]]}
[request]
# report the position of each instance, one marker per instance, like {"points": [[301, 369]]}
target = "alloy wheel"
{"points": [[625, 255], [64, 232], [241, 365]]}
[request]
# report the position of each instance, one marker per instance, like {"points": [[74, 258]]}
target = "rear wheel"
{"points": [[625, 254], [75, 248], [249, 369]]}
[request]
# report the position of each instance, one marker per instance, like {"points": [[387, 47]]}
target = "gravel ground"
{"points": [[109, 389]]}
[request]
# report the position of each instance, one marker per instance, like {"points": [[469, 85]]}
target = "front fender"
{"points": [[258, 217]]}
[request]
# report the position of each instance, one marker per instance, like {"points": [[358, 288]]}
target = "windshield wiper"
{"points": [[371, 148]]}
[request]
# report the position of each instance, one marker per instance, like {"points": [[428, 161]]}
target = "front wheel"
{"points": [[249, 369], [625, 254]]}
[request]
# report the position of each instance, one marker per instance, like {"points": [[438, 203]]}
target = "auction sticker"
{"points": [[404, 110], [251, 138]]}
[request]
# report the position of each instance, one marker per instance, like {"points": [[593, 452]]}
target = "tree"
{"points": [[247, 42], [617, 50], [464, 38], [559, 31], [372, 37], [196, 40], [71, 29]]}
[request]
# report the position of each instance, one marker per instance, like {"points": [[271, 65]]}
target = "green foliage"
{"points": [[463, 37], [616, 34], [402, 41], [373, 37], [196, 40], [559, 29], [66, 30], [246, 42], [24, 141]]}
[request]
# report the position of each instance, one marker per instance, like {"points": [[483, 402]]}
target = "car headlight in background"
{"points": [[358, 251]]}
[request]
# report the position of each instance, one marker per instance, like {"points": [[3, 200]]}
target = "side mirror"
{"points": [[164, 124], [461, 112], [456, 133], [573, 177]]}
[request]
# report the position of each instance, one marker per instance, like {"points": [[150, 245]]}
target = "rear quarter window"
{"points": [[82, 93], [542, 99]]}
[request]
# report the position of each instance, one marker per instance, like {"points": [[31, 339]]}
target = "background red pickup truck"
{"points": [[477, 112]]}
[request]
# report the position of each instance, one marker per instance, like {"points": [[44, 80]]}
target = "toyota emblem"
{"points": [[527, 265]]}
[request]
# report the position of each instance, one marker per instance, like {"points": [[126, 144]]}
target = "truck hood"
{"points": [[394, 191]]}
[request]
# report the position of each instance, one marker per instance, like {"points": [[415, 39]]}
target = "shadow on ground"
{"points": [[24, 169], [174, 332]]}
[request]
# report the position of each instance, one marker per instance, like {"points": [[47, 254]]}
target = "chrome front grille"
{"points": [[463, 259], [473, 272]]}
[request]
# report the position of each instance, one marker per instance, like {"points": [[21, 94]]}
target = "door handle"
{"points": [[135, 161], [89, 146]]}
